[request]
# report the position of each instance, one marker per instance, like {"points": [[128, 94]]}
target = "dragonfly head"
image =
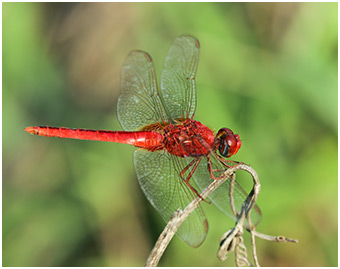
{"points": [[228, 143]]}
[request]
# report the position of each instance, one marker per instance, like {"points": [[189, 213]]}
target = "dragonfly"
{"points": [[177, 156]]}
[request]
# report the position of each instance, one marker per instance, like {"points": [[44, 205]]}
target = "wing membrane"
{"points": [[139, 103], [158, 176], [178, 77]]}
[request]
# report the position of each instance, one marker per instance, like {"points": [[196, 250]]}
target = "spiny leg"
{"points": [[225, 162], [193, 163], [232, 181], [211, 170], [187, 167]]}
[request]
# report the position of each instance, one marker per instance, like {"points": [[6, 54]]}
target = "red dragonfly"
{"points": [[174, 148]]}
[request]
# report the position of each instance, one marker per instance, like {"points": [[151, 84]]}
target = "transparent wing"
{"points": [[220, 197], [139, 103], [178, 77], [158, 176]]}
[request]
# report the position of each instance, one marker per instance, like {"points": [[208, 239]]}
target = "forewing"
{"points": [[220, 197], [178, 77], [158, 176], [139, 103]]}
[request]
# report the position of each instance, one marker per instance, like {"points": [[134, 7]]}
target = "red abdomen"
{"points": [[191, 138], [144, 139]]}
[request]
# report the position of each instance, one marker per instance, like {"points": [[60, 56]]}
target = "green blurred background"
{"points": [[268, 71]]}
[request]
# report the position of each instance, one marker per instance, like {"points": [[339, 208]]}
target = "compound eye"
{"points": [[223, 148], [229, 143], [228, 146]]}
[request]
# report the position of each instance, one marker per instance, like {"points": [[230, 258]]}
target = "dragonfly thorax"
{"points": [[190, 139]]}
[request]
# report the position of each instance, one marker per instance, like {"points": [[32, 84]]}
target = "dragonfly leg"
{"points": [[193, 163], [187, 167], [210, 169], [224, 162]]}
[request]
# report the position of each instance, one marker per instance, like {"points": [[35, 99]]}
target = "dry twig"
{"points": [[231, 240]]}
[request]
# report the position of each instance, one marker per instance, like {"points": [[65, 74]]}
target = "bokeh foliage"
{"points": [[268, 71]]}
